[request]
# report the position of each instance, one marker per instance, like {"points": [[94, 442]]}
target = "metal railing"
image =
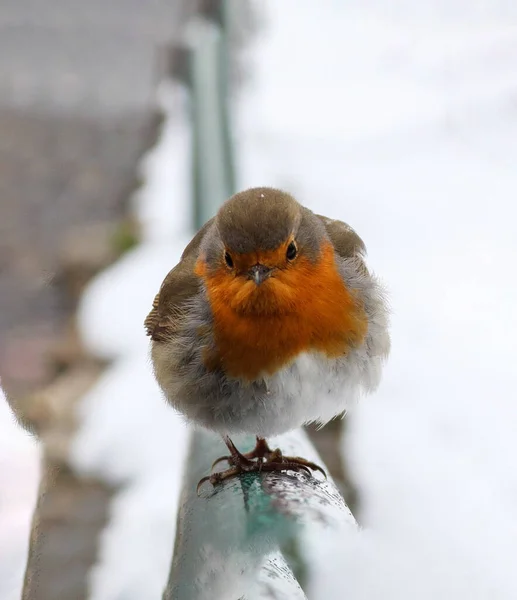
{"points": [[243, 541], [213, 174]]}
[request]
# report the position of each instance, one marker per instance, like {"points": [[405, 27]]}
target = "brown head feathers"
{"points": [[262, 219]]}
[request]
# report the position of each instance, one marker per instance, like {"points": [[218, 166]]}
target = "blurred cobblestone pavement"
{"points": [[76, 88]]}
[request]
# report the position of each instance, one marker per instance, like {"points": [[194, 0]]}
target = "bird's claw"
{"points": [[240, 460], [219, 477], [302, 462], [272, 461], [220, 460]]}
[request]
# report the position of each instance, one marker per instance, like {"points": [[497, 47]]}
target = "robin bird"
{"points": [[269, 321]]}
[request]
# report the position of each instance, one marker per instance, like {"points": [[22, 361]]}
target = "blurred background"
{"points": [[77, 84], [397, 117]]}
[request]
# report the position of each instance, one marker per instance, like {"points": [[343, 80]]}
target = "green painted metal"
{"points": [[229, 539], [213, 175]]}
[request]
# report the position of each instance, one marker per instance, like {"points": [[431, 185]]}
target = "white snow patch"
{"points": [[129, 435], [132, 438], [160, 205], [19, 478]]}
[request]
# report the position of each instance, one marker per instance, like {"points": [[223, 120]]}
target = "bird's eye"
{"points": [[228, 260], [292, 251]]}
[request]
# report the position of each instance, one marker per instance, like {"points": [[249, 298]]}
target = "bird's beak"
{"points": [[259, 273]]}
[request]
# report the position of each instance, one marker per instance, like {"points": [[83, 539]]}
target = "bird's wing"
{"points": [[345, 240], [180, 285]]}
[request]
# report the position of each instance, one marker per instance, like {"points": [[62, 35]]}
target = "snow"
{"points": [[19, 477], [162, 209], [129, 436], [400, 118]]}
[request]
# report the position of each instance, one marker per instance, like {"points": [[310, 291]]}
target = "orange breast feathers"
{"points": [[304, 306]]}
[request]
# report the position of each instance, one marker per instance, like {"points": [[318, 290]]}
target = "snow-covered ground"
{"points": [[399, 117]]}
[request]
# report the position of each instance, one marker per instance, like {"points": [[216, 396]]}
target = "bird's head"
{"points": [[264, 254]]}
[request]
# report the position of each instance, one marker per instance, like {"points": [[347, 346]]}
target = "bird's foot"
{"points": [[260, 459]]}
